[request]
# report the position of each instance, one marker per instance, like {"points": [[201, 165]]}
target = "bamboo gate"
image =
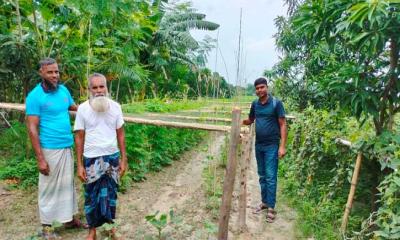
{"points": [[240, 149], [240, 138]]}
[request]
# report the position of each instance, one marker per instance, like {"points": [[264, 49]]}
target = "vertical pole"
{"points": [[244, 155], [352, 192], [229, 179]]}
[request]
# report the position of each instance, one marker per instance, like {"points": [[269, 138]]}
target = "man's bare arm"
{"points": [[248, 121], [32, 123], [79, 144], [283, 129], [73, 108], [122, 149]]}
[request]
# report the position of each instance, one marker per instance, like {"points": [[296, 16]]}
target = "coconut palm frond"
{"points": [[180, 57], [133, 73], [176, 18], [195, 24], [187, 40]]}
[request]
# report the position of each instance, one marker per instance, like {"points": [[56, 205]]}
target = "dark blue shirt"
{"points": [[266, 117]]}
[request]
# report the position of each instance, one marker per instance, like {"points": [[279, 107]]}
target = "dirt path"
{"points": [[177, 187]]}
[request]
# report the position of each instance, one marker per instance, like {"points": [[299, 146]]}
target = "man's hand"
{"points": [[122, 168], [82, 173], [247, 122], [43, 167], [281, 152]]}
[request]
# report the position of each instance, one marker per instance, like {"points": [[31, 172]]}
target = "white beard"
{"points": [[99, 103]]}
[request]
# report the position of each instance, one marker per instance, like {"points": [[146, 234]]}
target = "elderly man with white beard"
{"points": [[101, 155]]}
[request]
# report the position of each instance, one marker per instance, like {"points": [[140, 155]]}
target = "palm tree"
{"points": [[292, 5], [172, 42]]}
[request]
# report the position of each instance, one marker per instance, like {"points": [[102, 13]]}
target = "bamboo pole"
{"points": [[343, 142], [13, 106], [244, 166], [246, 162], [208, 127], [352, 192], [226, 120], [222, 102], [223, 112], [216, 111], [229, 179]]}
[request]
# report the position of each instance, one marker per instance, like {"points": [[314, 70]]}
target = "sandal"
{"points": [[271, 215], [260, 208], [48, 234], [76, 223]]}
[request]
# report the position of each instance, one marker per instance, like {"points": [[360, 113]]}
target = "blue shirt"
{"points": [[52, 110], [266, 117]]}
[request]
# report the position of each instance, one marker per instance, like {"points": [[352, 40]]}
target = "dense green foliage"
{"points": [[343, 56], [342, 52], [318, 171], [17, 162], [150, 148], [143, 47]]}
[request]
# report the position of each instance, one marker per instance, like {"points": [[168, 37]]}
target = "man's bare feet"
{"points": [[114, 234], [92, 234], [76, 223]]}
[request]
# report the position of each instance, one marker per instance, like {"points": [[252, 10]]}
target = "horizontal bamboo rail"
{"points": [[227, 120], [198, 126], [208, 111], [207, 127]]}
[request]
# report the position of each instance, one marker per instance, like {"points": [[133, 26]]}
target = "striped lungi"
{"points": [[101, 189], [57, 196]]}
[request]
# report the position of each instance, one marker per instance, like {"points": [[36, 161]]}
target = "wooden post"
{"points": [[245, 164], [351, 194], [243, 181], [229, 179]]}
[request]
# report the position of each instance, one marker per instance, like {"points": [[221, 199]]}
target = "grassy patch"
{"points": [[213, 176]]}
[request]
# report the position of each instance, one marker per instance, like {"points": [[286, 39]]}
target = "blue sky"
{"points": [[259, 51]]}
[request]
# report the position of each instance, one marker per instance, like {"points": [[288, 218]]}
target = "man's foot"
{"points": [[114, 234], [48, 234], [260, 208], [76, 223], [271, 215], [92, 234]]}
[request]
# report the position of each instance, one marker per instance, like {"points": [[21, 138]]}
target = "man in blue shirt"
{"points": [[49, 129], [271, 135]]}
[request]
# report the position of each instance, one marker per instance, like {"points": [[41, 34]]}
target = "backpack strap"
{"points": [[274, 103]]}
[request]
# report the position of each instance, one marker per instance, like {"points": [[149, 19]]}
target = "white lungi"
{"points": [[57, 196]]}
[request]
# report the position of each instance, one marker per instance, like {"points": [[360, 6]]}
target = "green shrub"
{"points": [[317, 172], [150, 148], [21, 169]]}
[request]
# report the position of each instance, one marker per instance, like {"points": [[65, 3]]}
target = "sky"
{"points": [[258, 28]]}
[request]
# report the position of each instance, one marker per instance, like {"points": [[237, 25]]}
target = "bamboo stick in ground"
{"points": [[229, 179], [244, 166], [350, 198]]}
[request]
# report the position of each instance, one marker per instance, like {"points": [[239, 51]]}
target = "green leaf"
{"points": [[397, 181], [359, 37]]}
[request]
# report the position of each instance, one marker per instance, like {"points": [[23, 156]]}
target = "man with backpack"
{"points": [[271, 136]]}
